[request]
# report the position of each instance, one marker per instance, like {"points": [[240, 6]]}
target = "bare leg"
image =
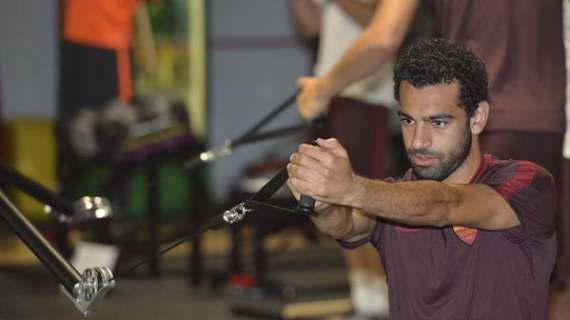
{"points": [[368, 288]]}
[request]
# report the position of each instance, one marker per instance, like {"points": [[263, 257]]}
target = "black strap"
{"points": [[270, 188], [255, 201], [306, 203]]}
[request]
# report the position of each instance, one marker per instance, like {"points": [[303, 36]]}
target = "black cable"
{"points": [[214, 223], [280, 108], [218, 221], [253, 138], [264, 193], [276, 133]]}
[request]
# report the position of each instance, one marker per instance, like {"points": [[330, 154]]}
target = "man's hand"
{"points": [[320, 207], [313, 98], [323, 172]]}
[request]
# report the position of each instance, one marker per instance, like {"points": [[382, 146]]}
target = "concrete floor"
{"points": [[28, 291], [315, 270]]}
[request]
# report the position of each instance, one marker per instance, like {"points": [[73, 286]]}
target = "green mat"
{"points": [[174, 188]]}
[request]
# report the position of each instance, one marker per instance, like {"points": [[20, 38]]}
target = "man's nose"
{"points": [[422, 136]]}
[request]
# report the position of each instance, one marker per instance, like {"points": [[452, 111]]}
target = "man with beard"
{"points": [[463, 235]]}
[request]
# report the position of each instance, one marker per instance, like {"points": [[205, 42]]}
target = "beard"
{"points": [[448, 162]]}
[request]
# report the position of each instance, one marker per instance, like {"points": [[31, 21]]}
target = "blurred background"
{"points": [[119, 99], [113, 99], [118, 116]]}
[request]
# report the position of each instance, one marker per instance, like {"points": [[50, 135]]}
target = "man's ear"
{"points": [[479, 118]]}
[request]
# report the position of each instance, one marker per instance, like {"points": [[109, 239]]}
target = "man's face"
{"points": [[435, 129]]}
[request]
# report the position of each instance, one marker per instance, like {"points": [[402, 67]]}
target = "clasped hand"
{"points": [[323, 172]]}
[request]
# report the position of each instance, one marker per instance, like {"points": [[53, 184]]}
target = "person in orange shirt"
{"points": [[94, 66], [97, 34]]}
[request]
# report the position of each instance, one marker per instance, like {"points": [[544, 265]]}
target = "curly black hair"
{"points": [[436, 61]]}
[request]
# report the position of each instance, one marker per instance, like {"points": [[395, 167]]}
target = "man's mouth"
{"points": [[423, 160]]}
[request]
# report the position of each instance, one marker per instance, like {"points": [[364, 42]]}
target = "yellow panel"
{"points": [[31, 150], [196, 95]]}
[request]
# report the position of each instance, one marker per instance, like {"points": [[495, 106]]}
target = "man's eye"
{"points": [[406, 121], [439, 123]]}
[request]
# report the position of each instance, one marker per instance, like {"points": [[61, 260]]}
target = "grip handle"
{"points": [[306, 205]]}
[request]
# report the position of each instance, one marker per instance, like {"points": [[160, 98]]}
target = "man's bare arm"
{"points": [[344, 223], [361, 12], [434, 203], [374, 47], [324, 172], [307, 16], [377, 43], [339, 222]]}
